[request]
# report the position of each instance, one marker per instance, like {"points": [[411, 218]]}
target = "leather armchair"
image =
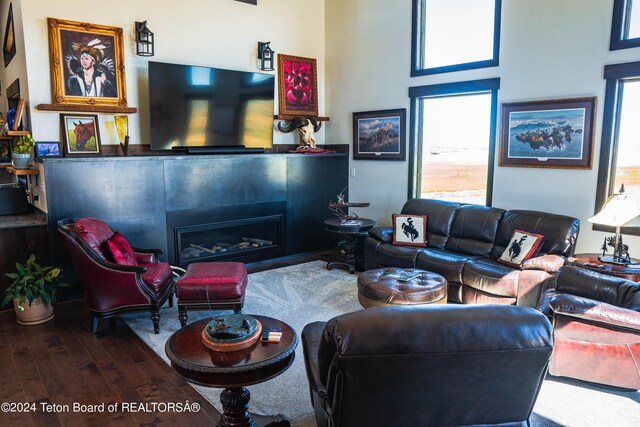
{"points": [[427, 365], [111, 288], [596, 319]]}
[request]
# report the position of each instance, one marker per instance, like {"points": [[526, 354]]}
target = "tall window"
{"points": [[453, 35], [453, 144], [625, 26], [620, 148]]}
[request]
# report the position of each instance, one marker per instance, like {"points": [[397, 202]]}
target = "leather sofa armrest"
{"points": [[147, 255], [595, 311], [311, 336], [548, 263], [613, 290], [384, 234], [545, 300]]}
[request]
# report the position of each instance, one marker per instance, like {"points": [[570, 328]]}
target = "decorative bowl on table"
{"points": [[231, 332]]}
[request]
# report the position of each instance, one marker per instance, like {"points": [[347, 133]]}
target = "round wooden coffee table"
{"points": [[233, 371]]}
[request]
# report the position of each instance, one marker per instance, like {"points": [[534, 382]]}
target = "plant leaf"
{"points": [[7, 299], [20, 268]]}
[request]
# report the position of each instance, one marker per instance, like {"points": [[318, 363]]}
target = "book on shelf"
{"points": [[403, 276]]}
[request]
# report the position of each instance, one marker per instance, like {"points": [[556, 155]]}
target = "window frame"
{"points": [[615, 75], [463, 88], [620, 26], [418, 41]]}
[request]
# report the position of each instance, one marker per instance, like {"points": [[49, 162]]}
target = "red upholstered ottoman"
{"points": [[211, 286]]}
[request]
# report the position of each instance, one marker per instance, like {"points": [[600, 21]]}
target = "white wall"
{"points": [[549, 49], [215, 33]]}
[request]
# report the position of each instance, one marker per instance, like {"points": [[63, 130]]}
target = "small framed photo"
{"points": [[47, 149], [379, 135], [555, 133], [80, 135], [297, 86], [5, 151]]}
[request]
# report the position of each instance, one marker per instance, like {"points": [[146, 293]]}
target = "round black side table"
{"points": [[347, 232]]}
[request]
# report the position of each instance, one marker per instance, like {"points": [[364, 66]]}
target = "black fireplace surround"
{"points": [[158, 201]]}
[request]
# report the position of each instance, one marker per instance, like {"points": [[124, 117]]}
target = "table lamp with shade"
{"points": [[122, 127], [617, 211]]}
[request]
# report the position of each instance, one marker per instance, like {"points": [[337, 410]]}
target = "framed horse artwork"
{"points": [[80, 135]]}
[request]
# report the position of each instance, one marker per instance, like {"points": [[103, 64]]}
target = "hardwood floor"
{"points": [[63, 363]]}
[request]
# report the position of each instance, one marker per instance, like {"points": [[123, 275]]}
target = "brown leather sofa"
{"points": [[464, 242], [427, 365], [596, 320]]}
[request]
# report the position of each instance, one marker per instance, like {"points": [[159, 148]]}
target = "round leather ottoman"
{"points": [[378, 288]]}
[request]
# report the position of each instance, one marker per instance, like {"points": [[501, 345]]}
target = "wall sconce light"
{"points": [[144, 39], [265, 55], [122, 127]]}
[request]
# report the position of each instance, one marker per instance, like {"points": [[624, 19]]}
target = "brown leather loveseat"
{"points": [[463, 243], [596, 319], [430, 365]]}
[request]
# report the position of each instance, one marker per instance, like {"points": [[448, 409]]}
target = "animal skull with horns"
{"points": [[307, 126]]}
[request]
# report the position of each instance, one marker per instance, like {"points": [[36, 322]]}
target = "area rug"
{"points": [[308, 292]]}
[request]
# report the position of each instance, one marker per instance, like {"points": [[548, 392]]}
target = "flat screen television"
{"points": [[197, 108]]}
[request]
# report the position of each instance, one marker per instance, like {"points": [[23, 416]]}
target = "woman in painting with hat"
{"points": [[89, 73]]}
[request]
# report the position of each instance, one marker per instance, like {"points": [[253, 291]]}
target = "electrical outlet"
{"points": [[353, 171]]}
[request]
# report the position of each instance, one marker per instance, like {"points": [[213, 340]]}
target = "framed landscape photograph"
{"points": [[554, 133], [87, 63], [297, 86], [47, 149], [80, 135], [379, 135]]}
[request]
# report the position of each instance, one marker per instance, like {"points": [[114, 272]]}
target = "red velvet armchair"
{"points": [[596, 326], [111, 288]]}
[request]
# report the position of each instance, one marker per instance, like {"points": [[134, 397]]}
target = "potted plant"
{"points": [[22, 152], [33, 292]]}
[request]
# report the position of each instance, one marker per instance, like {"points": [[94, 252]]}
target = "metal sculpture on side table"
{"points": [[349, 227]]}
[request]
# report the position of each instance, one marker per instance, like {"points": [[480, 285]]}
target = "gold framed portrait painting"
{"points": [[87, 63]]}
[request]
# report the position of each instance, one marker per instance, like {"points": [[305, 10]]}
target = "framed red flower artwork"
{"points": [[297, 86]]}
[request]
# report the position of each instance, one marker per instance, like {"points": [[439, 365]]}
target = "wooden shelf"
{"points": [[21, 172], [87, 108], [289, 117], [17, 132]]}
